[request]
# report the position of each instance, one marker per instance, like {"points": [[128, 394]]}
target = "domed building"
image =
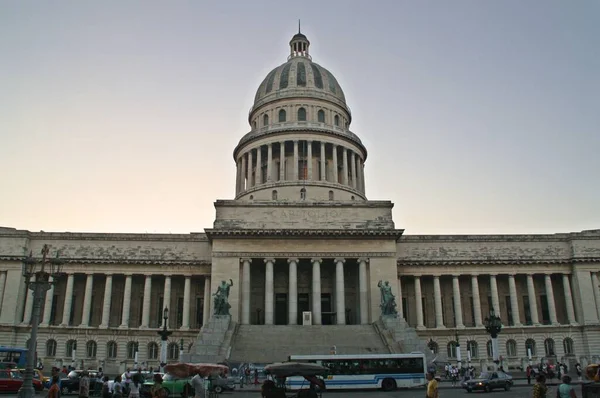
{"points": [[299, 261]]}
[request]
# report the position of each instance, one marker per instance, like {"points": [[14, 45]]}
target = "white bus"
{"points": [[385, 371]]}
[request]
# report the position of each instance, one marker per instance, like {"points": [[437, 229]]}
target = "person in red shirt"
{"points": [[54, 391]]}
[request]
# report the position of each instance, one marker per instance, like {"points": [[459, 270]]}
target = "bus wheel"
{"points": [[388, 384]]}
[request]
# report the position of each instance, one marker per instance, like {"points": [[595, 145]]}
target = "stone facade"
{"points": [[301, 236]]}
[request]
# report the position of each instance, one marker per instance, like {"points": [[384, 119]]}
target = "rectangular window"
{"points": [[159, 309], [199, 311], [545, 310], [509, 313], [53, 309], [527, 310], [179, 311]]}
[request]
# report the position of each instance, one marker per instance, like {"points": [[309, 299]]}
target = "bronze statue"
{"points": [[388, 300], [221, 298]]}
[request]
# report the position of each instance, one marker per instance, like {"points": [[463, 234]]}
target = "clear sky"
{"points": [[122, 116]]}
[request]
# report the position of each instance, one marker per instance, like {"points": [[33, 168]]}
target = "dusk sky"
{"points": [[480, 117]]}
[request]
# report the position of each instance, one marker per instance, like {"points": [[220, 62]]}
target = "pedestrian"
{"points": [[157, 390], [117, 388], [106, 392], [54, 391], [256, 377], [84, 385], [566, 390], [198, 384], [134, 386], [539, 388], [432, 386], [578, 370]]}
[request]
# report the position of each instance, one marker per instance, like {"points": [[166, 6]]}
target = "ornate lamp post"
{"points": [[164, 336], [493, 325], [431, 345], [37, 273]]}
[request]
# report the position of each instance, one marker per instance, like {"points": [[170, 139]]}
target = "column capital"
{"points": [[244, 259], [309, 142], [455, 275], [187, 276], [129, 274], [362, 260], [269, 260], [296, 142], [292, 260], [316, 260], [339, 260], [436, 277]]}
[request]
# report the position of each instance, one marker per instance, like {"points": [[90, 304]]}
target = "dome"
{"points": [[299, 77]]}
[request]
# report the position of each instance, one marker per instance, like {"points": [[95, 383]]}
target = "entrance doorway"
{"points": [[281, 309], [303, 305], [327, 317]]}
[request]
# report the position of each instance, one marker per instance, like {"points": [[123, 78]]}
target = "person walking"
{"points": [[54, 391], [198, 385], [539, 388], [134, 386], [432, 386], [84, 385], [565, 389], [117, 388]]}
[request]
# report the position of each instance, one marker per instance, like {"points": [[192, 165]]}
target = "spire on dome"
{"points": [[299, 45]]}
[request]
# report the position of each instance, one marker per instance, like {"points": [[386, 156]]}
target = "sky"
{"points": [[480, 117]]}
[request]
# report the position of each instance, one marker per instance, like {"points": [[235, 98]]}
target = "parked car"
{"points": [[70, 383], [11, 380], [219, 384], [174, 386], [488, 381]]}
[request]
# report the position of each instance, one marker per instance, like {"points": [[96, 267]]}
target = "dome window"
{"points": [[281, 116], [302, 115], [254, 124], [317, 76], [301, 75], [330, 195], [285, 74], [303, 194], [336, 120], [321, 116], [274, 195], [265, 120]]}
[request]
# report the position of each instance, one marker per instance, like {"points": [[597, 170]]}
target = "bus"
{"points": [[11, 357], [384, 371]]}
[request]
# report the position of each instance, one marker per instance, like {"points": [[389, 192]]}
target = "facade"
{"points": [[301, 236]]}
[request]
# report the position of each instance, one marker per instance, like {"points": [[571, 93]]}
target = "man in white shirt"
{"points": [[198, 385]]}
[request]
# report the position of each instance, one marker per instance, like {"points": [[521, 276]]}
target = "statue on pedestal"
{"points": [[221, 298], [388, 300]]}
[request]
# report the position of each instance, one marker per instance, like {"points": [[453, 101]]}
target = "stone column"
{"points": [[494, 292], [107, 301], [47, 305], [126, 302], [250, 182], [187, 289], [335, 164], [166, 297], [238, 170], [309, 164], [362, 176], [353, 165], [437, 294], [569, 300], [363, 290], [258, 173], [206, 313], [399, 299], [340, 299], [295, 160], [323, 175], [28, 304], [245, 291], [269, 162], [345, 166], [316, 290], [476, 302], [147, 300], [358, 174], [293, 292], [457, 303], [532, 300], [2, 284], [419, 303], [514, 300], [269, 307], [550, 299], [596, 289], [87, 301], [243, 174], [282, 161], [68, 301]]}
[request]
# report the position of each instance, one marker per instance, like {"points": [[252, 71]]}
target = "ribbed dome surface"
{"points": [[299, 77]]}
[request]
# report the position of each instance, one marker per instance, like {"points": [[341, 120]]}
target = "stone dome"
{"points": [[299, 77]]}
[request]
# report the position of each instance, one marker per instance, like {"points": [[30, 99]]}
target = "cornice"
{"points": [[92, 236], [305, 255], [304, 233], [120, 261], [557, 237], [515, 261]]}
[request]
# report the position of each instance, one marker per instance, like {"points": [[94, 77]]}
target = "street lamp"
{"points": [[458, 357], [180, 349], [37, 273], [431, 345], [493, 325], [164, 336]]}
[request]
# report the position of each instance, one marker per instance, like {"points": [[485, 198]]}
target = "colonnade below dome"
{"points": [[299, 160]]}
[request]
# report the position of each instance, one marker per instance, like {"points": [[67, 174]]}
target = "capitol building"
{"points": [[304, 251]]}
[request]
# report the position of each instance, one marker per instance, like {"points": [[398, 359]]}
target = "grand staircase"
{"points": [[269, 343]]}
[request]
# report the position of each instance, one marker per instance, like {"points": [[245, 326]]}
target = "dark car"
{"points": [[70, 383], [488, 381]]}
